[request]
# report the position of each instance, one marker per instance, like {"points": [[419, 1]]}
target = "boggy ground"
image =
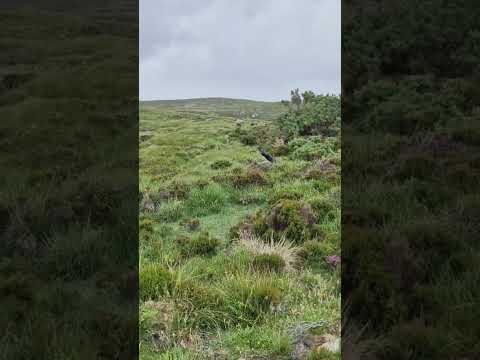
{"points": [[237, 256]]}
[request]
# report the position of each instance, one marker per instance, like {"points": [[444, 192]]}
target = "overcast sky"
{"points": [[251, 49]]}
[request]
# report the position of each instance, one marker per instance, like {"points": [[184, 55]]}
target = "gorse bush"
{"points": [[315, 115], [313, 147], [314, 150]]}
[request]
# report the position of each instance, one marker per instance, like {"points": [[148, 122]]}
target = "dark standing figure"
{"points": [[266, 155]]}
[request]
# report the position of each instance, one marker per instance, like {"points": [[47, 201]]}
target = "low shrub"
{"points": [[323, 169], [268, 262], [279, 148], [312, 250], [285, 193], [250, 175], [289, 218], [323, 207], [178, 189], [248, 139], [160, 196], [244, 226], [316, 254], [315, 150], [220, 164], [200, 245], [192, 224]]}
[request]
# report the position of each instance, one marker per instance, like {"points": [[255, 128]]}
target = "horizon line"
{"points": [[226, 98]]}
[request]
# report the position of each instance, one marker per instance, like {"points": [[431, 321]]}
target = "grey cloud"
{"points": [[244, 49]]}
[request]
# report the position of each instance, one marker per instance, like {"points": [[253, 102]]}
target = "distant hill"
{"points": [[236, 108]]}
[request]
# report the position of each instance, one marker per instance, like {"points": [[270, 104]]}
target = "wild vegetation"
{"points": [[411, 140], [68, 204], [236, 252]]}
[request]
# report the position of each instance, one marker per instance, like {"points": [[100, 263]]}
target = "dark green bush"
{"points": [[315, 150], [317, 115], [248, 139]]}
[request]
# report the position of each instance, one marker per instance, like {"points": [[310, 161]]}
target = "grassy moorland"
{"points": [[68, 210], [239, 257]]}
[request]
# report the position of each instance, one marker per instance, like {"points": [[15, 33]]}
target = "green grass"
{"points": [[226, 299], [69, 255]]}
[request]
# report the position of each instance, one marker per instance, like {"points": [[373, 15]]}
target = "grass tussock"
{"points": [[282, 249]]}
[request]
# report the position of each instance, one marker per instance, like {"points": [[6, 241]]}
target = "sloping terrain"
{"points": [[238, 256]]}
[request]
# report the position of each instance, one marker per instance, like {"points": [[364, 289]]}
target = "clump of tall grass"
{"points": [[268, 263], [207, 200], [155, 281], [281, 248], [201, 245], [248, 297], [170, 211]]}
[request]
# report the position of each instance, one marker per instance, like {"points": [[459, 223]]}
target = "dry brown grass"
{"points": [[283, 248]]}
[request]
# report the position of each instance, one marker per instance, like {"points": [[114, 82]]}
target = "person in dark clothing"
{"points": [[266, 155]]}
